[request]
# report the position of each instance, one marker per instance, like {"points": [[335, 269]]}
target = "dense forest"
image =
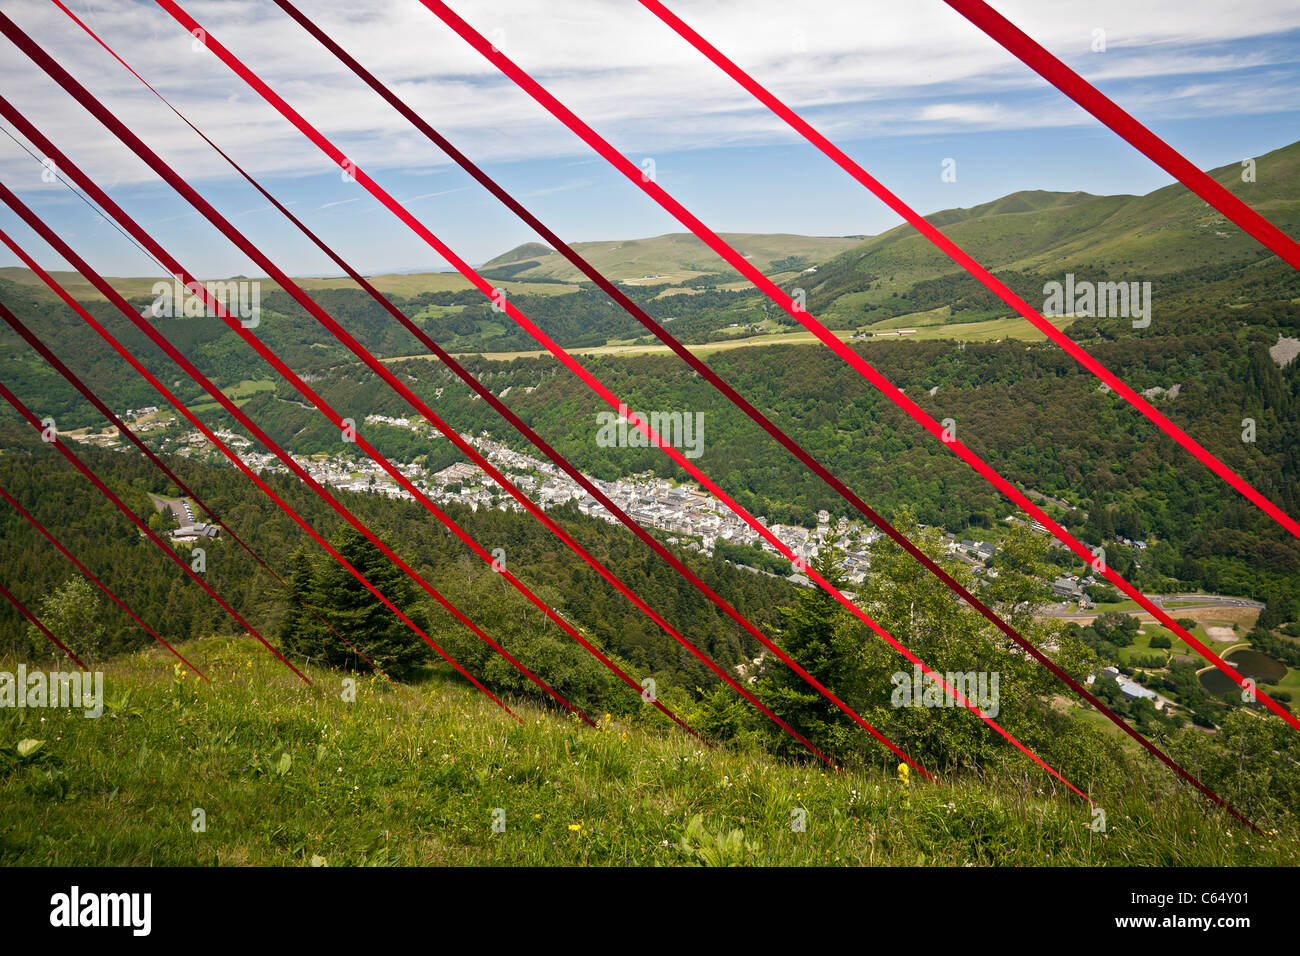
{"points": [[162, 595]]}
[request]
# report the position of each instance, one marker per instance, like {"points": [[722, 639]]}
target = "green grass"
{"points": [[972, 332], [1141, 645], [249, 387], [612, 349], [1125, 605], [286, 774], [991, 330], [1289, 682], [239, 393]]}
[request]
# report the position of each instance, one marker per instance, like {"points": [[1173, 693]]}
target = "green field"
{"points": [[1142, 643], [992, 330], [249, 387], [974, 332], [1290, 682], [1125, 605]]}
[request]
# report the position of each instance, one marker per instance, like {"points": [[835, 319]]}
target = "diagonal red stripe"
{"points": [[43, 350], [81, 466], [111, 294], [95, 580], [1037, 58], [22, 609]]}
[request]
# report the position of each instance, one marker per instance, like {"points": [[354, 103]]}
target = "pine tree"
{"points": [[810, 638], [359, 616], [296, 628]]}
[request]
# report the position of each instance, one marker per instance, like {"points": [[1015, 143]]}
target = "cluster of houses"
{"points": [[683, 510], [972, 552], [1070, 587]]}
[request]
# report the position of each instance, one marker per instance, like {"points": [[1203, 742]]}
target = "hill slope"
{"points": [[1134, 237], [290, 775], [671, 258]]}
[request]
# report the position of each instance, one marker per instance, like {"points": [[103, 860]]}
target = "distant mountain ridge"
{"points": [[672, 258], [1165, 231], [1031, 231]]}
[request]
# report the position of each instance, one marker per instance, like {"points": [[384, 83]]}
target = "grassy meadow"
{"points": [[279, 773]]}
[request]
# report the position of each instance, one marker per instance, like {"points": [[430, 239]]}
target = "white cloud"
{"points": [[440, 192], [561, 188], [920, 66]]}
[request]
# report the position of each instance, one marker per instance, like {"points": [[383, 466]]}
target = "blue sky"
{"points": [[899, 93]]}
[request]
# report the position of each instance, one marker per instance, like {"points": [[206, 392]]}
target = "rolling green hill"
{"points": [[673, 258], [1048, 234]]}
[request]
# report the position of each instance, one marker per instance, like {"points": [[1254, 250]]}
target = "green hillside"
{"points": [[1048, 234], [529, 250], [673, 258], [287, 775]]}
